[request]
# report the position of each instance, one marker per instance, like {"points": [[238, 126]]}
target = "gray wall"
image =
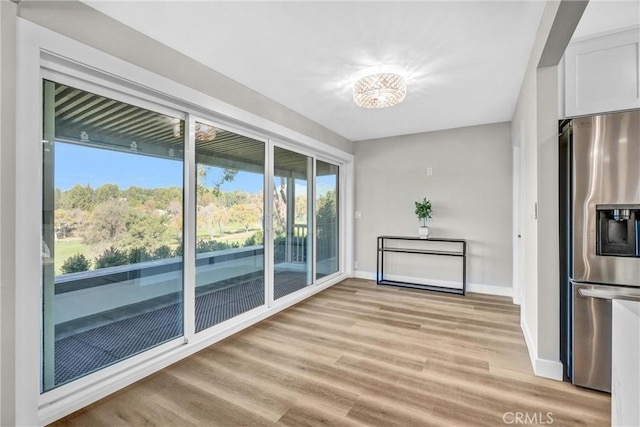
{"points": [[470, 191], [85, 24]]}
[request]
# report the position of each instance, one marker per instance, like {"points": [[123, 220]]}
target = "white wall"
{"points": [[548, 220], [537, 112], [7, 214], [526, 116], [470, 191]]}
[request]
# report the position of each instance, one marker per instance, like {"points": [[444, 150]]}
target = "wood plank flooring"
{"points": [[359, 355]]}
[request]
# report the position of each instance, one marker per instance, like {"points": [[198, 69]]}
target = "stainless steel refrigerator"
{"points": [[603, 239]]}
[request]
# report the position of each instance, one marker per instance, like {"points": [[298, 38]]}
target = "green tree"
{"points": [[145, 230], [164, 197], [78, 197], [212, 218], [207, 181], [326, 216], [245, 215], [137, 196], [106, 192], [75, 263], [108, 223], [69, 221], [301, 209]]}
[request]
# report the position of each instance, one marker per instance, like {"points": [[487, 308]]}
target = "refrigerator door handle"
{"points": [[610, 295]]}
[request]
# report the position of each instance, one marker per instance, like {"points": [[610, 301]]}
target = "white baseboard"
{"points": [[531, 343], [545, 368], [479, 288], [551, 369], [367, 275]]}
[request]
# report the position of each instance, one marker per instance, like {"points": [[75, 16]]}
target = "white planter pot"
{"points": [[423, 232]]}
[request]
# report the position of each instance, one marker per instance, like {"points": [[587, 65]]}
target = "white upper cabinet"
{"points": [[602, 74]]}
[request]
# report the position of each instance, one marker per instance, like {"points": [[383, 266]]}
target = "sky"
{"points": [[77, 164]]}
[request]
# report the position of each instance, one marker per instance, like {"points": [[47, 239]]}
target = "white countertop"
{"points": [[625, 364]]}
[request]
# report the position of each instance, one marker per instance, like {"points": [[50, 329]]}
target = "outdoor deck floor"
{"points": [[82, 349]]}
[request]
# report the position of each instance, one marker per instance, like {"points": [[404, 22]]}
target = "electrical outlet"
{"points": [[358, 214], [355, 265], [429, 171]]}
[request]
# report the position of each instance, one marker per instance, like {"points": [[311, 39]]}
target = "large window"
{"points": [[112, 231], [230, 234], [117, 279]]}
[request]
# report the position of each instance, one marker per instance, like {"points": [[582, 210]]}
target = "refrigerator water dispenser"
{"points": [[618, 230]]}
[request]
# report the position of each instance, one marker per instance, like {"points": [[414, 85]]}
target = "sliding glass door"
{"points": [[112, 231], [230, 233], [115, 271]]}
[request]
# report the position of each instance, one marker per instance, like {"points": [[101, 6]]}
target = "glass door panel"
{"points": [[327, 209], [229, 231], [292, 221], [112, 231]]}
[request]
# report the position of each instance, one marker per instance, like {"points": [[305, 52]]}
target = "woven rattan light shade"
{"points": [[379, 90]]}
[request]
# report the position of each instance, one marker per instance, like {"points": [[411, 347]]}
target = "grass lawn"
{"points": [[66, 248]]}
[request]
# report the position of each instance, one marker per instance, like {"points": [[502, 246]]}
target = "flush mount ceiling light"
{"points": [[205, 133], [379, 90]]}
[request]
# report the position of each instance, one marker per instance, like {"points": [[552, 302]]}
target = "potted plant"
{"points": [[423, 212]]}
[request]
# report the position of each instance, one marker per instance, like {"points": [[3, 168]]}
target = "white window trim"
{"points": [[37, 50]]}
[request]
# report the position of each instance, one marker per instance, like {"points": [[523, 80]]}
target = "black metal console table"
{"points": [[382, 248]]}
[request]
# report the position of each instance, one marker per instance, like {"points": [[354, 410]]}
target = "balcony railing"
{"points": [[326, 246], [85, 293]]}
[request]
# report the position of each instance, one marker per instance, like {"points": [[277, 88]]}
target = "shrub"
{"points": [[256, 239], [213, 245], [112, 257], [75, 264], [137, 255], [162, 252], [178, 252], [280, 247]]}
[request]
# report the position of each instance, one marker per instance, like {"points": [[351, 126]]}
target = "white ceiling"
{"points": [[464, 61]]}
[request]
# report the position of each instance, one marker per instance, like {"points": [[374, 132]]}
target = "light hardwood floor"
{"points": [[354, 355]]}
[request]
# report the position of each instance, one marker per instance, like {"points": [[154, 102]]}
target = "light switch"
{"points": [[358, 214]]}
